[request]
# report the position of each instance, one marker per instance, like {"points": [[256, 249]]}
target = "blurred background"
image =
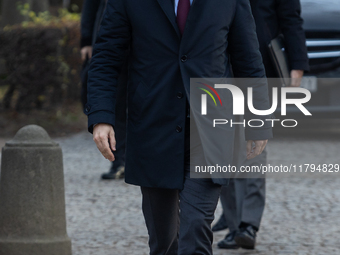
{"points": [[40, 84], [40, 65]]}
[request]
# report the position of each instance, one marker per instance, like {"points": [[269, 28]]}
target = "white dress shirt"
{"points": [[176, 5]]}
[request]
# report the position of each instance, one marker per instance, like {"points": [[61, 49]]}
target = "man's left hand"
{"points": [[86, 52], [255, 148], [296, 77]]}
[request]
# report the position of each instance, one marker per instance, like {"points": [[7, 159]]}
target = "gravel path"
{"points": [[301, 215]]}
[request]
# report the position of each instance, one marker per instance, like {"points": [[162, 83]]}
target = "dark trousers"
{"points": [[243, 200], [179, 221]]}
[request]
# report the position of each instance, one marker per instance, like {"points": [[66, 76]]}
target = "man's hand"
{"points": [[255, 148], [296, 77], [86, 52], [104, 137]]}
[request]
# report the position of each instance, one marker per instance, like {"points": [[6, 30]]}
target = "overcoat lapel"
{"points": [[168, 7]]}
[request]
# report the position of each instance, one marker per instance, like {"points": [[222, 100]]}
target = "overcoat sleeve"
{"points": [[246, 61], [88, 19], [108, 56], [290, 22]]}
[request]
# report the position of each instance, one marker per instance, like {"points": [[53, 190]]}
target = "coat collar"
{"points": [[168, 8]]}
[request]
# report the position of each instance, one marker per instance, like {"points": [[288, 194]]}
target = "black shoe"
{"points": [[229, 241], [246, 237], [117, 173], [220, 225]]}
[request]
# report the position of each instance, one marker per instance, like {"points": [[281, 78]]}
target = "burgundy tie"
{"points": [[182, 14]]}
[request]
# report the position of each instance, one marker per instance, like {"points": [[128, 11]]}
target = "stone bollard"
{"points": [[32, 196]]}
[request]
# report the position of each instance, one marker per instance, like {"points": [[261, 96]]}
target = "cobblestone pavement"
{"points": [[301, 215]]}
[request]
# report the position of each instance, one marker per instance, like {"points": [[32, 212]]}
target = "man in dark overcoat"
{"points": [[171, 41]]}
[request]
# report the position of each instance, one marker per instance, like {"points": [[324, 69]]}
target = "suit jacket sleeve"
{"points": [[246, 61], [108, 56], [290, 21], [88, 19]]}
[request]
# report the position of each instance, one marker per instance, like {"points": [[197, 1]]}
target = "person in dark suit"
{"points": [[243, 201], [92, 15], [169, 42]]}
